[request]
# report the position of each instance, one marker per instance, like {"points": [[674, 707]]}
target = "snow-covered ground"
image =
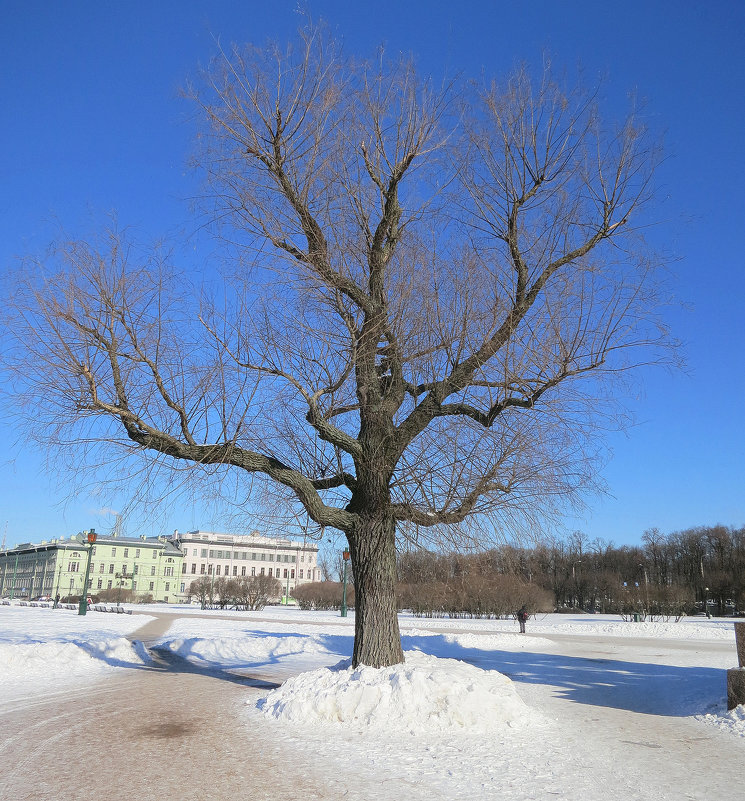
{"points": [[55, 648], [473, 711]]}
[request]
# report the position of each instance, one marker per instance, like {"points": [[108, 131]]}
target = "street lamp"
{"points": [[575, 593], [91, 537], [59, 575], [344, 590], [121, 578]]}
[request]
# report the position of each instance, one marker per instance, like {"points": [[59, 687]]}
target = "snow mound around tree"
{"points": [[731, 722], [424, 693]]}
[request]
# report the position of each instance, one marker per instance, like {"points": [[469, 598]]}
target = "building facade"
{"points": [[148, 566], [157, 568], [206, 553]]}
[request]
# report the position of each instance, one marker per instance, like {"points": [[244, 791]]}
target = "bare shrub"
{"points": [[322, 595]]}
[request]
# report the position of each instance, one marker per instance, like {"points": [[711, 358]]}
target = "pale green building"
{"points": [[148, 566]]}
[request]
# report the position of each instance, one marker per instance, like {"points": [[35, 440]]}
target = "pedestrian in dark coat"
{"points": [[522, 617]]}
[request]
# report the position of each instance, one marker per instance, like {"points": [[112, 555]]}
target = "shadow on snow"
{"points": [[649, 688], [634, 686]]}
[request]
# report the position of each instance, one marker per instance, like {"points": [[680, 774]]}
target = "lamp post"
{"points": [[575, 592], [344, 587], [121, 578], [59, 575], [83, 606]]}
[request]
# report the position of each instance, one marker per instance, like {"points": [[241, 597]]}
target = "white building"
{"points": [[207, 553]]}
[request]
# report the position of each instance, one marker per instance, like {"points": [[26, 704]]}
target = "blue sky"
{"points": [[93, 123]]}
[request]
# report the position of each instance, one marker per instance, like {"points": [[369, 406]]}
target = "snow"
{"points": [[425, 693], [44, 647], [476, 710]]}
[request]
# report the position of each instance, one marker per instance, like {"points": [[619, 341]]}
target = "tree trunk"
{"points": [[377, 640]]}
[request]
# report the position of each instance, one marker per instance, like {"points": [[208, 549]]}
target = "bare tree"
{"points": [[431, 289], [202, 590], [256, 591]]}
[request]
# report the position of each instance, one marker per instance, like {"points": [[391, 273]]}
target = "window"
{"points": [[270, 571], [209, 570], [287, 558], [126, 552], [93, 551], [155, 554], [194, 568], [168, 586], [235, 570], [202, 569], [100, 584], [183, 567], [152, 586], [108, 585], [212, 554], [134, 586], [168, 571], [253, 571], [293, 559], [302, 557], [243, 570], [301, 572], [137, 553], [183, 586], [262, 571], [135, 569], [292, 573], [111, 568], [101, 567], [285, 573], [152, 570], [204, 553], [217, 570], [113, 551]]}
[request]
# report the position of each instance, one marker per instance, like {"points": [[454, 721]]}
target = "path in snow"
{"points": [[154, 734], [171, 731]]}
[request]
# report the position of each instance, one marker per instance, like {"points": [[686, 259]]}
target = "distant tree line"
{"points": [[698, 569], [666, 576]]}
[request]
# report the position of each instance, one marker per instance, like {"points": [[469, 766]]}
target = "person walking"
{"points": [[522, 617]]}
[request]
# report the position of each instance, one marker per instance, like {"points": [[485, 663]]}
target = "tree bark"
{"points": [[377, 640]]}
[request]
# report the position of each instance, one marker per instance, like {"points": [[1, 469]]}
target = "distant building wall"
{"points": [[206, 553], [148, 566], [157, 566]]}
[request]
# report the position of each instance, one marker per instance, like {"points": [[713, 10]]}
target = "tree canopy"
{"points": [[430, 289]]}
